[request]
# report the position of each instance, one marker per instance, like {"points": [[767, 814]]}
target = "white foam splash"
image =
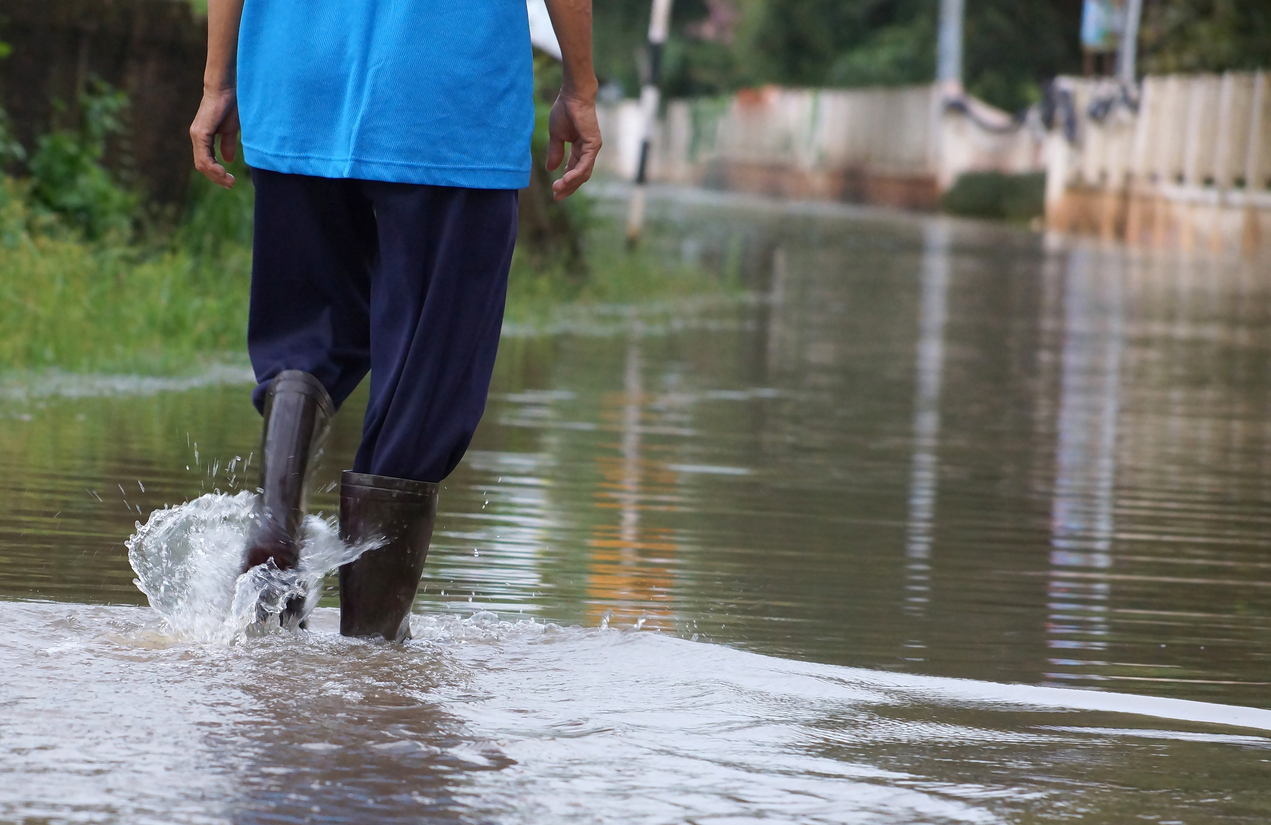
{"points": [[187, 560]]}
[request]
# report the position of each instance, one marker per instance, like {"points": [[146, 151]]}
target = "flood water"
{"points": [[938, 523]]}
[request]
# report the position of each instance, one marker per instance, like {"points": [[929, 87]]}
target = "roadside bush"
{"points": [[995, 195], [67, 177]]}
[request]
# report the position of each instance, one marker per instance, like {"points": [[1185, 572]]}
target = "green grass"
{"points": [[175, 303], [112, 304], [94, 279], [78, 307], [539, 295]]}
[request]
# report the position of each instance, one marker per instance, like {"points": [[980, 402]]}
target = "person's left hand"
{"points": [[573, 121], [217, 117]]}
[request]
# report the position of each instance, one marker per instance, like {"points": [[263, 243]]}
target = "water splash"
{"points": [[187, 560]]}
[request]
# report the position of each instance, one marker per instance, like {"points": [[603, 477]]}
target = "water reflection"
{"points": [[924, 477], [1085, 460], [628, 564], [918, 447]]}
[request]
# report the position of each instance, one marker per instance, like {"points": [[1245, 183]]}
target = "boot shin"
{"points": [[298, 414], [378, 589]]}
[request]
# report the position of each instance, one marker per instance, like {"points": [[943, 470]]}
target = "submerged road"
{"points": [[837, 550]]}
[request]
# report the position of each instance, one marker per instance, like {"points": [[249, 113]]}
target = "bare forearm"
{"points": [[223, 17], [217, 118], [572, 21]]}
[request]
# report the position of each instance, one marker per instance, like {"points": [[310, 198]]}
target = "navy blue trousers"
{"points": [[406, 281]]}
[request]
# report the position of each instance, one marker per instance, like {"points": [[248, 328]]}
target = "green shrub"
{"points": [[68, 178], [996, 195]]}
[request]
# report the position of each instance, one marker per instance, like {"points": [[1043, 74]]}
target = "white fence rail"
{"points": [[1188, 166], [900, 145], [1183, 161]]}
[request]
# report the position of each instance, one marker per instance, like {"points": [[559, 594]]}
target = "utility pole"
{"points": [[650, 98], [949, 47], [1128, 55]]}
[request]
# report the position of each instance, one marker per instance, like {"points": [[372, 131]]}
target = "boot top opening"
{"points": [[373, 486], [302, 382]]}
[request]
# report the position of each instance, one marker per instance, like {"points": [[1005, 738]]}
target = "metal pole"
{"points": [[1128, 55], [650, 98], [949, 46]]}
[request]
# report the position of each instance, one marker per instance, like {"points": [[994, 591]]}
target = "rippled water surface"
{"points": [[937, 525]]}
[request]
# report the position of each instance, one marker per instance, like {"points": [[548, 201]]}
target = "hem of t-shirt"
{"points": [[462, 177]]}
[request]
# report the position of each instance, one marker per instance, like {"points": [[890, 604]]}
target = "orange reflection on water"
{"points": [[629, 577]]}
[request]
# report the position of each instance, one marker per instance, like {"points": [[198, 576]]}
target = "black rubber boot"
{"points": [[378, 589], [298, 415]]}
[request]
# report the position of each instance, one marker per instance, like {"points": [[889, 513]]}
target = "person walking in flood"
{"points": [[387, 141]]}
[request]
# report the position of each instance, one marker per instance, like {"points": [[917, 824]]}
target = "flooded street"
{"points": [[936, 524]]}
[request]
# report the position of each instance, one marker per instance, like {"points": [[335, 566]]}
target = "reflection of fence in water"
{"points": [[1191, 167], [1083, 522]]}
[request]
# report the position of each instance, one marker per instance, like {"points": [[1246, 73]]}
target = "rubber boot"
{"points": [[298, 414], [378, 589]]}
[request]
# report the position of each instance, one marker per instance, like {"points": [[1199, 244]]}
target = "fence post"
{"points": [[1140, 167], [1256, 149], [1255, 172], [1222, 150]]}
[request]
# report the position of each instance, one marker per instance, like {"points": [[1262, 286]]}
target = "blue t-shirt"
{"points": [[409, 91]]}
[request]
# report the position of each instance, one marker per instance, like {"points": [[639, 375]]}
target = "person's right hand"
{"points": [[573, 121], [218, 115]]}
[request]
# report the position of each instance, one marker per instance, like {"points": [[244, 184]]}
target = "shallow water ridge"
{"points": [[939, 525]]}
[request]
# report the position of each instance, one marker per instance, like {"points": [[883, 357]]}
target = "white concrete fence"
{"points": [[899, 146], [1188, 167], [1181, 161]]}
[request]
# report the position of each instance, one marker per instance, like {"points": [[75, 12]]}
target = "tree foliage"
{"points": [[1010, 48], [1206, 35], [67, 175]]}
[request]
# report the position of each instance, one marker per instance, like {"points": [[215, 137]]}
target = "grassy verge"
{"points": [[92, 279], [176, 303], [116, 303], [537, 294], [77, 307]]}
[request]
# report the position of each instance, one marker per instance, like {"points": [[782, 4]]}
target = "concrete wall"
{"points": [[1190, 168], [897, 146], [152, 49]]}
